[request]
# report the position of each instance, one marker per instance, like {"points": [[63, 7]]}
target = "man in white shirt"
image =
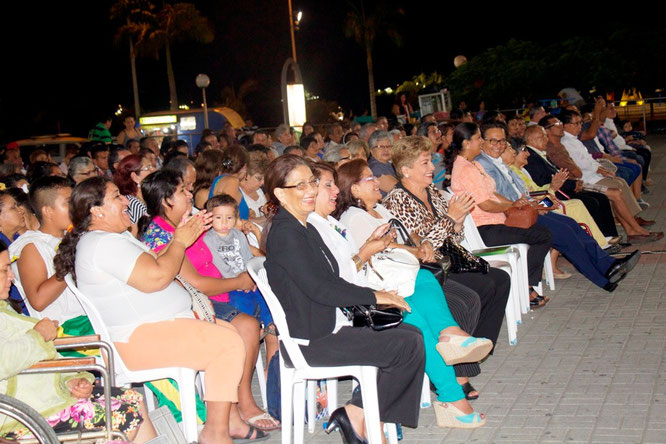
{"points": [[592, 171]]}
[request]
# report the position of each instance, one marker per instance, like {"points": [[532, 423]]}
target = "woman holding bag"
{"points": [[445, 342], [423, 210], [304, 275]]}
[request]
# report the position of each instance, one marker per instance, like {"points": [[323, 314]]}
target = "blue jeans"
{"points": [[252, 303], [224, 310]]}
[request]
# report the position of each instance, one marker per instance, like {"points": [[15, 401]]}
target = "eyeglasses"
{"points": [[302, 186], [496, 142], [369, 179], [88, 173], [382, 147], [148, 168], [556, 123]]}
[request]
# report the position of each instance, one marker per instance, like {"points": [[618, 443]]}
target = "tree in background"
{"points": [[365, 26], [151, 29], [137, 21], [235, 98]]}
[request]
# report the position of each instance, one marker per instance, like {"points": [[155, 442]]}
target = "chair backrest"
{"points": [[100, 328], [256, 269], [473, 239]]}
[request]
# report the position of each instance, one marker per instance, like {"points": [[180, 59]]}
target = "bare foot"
{"points": [[452, 330], [357, 419], [265, 424], [462, 380], [463, 405], [210, 436]]}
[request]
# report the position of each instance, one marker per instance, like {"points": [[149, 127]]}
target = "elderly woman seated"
{"points": [[380, 163], [148, 315]]}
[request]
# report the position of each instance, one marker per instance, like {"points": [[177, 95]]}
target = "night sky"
{"points": [[62, 68]]}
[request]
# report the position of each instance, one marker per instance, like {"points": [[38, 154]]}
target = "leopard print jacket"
{"points": [[414, 215]]}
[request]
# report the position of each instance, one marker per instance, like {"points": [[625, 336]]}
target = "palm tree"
{"points": [[235, 99], [151, 30], [179, 22], [137, 18], [364, 27]]}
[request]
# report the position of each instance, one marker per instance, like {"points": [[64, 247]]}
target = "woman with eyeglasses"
{"points": [[380, 163], [128, 177], [362, 226], [304, 275]]}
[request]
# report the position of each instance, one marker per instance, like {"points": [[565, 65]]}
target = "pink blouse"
{"points": [[198, 254]]}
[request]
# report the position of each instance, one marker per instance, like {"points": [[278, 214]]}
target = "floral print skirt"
{"points": [[88, 414]]}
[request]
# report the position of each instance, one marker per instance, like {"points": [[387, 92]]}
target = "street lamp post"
{"points": [[202, 82], [293, 94]]}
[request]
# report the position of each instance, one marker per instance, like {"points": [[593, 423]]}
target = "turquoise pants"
{"points": [[431, 315]]}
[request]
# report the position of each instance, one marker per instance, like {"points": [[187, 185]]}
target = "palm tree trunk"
{"points": [[135, 82], [173, 97], [371, 80]]}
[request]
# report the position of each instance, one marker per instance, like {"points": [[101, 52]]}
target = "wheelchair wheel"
{"points": [[29, 417]]}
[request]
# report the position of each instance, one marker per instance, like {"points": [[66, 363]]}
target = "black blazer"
{"points": [[304, 276], [542, 171]]}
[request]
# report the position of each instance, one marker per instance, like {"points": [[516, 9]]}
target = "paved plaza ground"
{"points": [[588, 367]]}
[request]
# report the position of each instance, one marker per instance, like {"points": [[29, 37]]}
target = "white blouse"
{"points": [[362, 224], [104, 264]]}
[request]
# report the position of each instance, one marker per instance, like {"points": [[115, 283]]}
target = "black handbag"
{"points": [[462, 261], [377, 318], [439, 269]]}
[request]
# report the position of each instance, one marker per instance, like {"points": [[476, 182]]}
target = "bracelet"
{"points": [[358, 262]]}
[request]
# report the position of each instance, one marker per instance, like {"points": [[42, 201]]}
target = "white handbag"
{"points": [[393, 269]]}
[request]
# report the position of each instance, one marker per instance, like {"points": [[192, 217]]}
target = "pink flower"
{"points": [[61, 416], [83, 410], [115, 403]]}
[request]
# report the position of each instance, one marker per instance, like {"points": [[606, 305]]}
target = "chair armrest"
{"points": [[493, 251], [75, 340], [65, 362]]}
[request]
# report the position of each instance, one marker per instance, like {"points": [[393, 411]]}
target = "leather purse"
{"points": [[521, 217], [439, 268], [377, 318], [462, 261]]}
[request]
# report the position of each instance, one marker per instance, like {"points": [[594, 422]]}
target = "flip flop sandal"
{"points": [[260, 436], [252, 422], [270, 329], [467, 389]]}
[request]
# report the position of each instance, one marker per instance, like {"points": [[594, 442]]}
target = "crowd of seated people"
{"points": [[130, 221]]}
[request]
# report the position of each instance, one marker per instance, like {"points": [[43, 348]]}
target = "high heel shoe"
{"points": [[340, 420]]}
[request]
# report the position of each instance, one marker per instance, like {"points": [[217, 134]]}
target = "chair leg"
{"points": [[370, 404], [287, 405], [299, 411], [149, 398], [331, 395], [188, 405], [261, 378], [392, 432], [425, 393], [311, 393]]}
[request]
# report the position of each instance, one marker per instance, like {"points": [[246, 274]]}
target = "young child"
{"points": [[231, 253], [33, 252]]}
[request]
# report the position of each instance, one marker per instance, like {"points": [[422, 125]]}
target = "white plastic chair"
{"points": [[293, 379], [185, 377]]}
